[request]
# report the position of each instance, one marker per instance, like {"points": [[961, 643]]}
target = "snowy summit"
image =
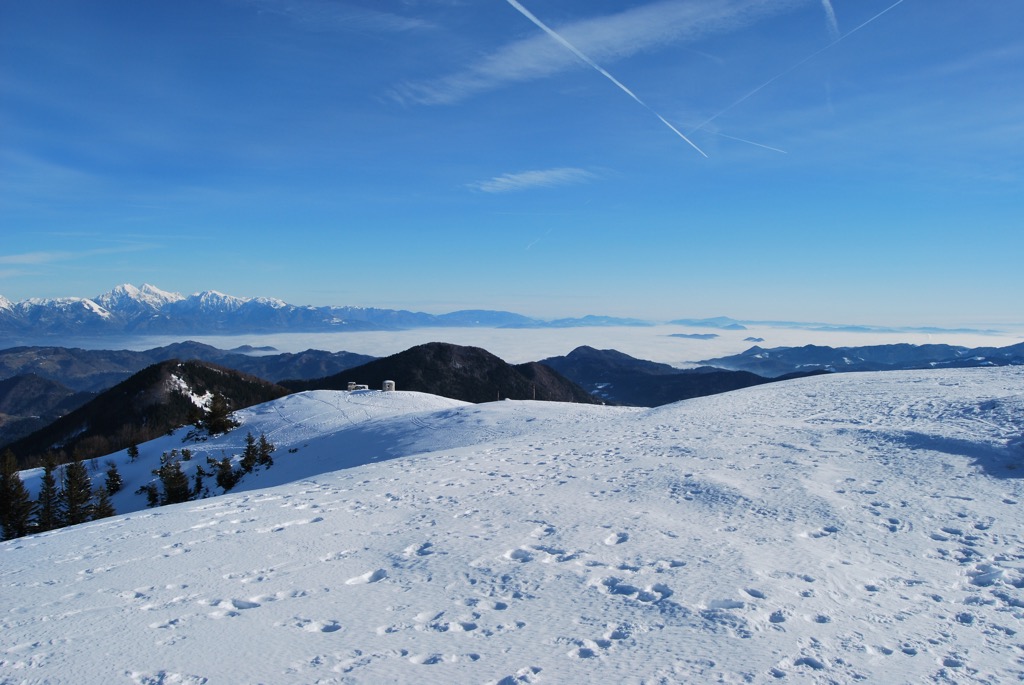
{"points": [[859, 527]]}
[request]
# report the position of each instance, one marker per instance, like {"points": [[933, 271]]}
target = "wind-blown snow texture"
{"points": [[831, 529]]}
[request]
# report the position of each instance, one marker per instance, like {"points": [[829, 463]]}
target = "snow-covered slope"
{"points": [[859, 527]]}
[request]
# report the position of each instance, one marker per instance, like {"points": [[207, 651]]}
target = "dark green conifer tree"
{"points": [[101, 506], [152, 493], [175, 482], [218, 416], [48, 513], [251, 454], [76, 494], [265, 448], [197, 482], [226, 476], [113, 483], [16, 505]]}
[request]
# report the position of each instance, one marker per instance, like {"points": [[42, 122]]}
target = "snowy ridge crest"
{"points": [[129, 299]]}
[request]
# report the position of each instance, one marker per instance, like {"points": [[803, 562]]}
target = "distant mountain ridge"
{"points": [[784, 360], [29, 402], [149, 310], [96, 370], [729, 324]]}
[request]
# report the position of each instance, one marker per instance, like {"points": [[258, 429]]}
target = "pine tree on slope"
{"points": [[16, 505], [114, 482], [102, 507], [175, 482], [251, 454], [76, 494], [265, 448], [48, 510]]}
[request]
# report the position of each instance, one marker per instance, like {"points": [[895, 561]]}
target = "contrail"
{"points": [[571, 48], [796, 66], [537, 240], [750, 142], [830, 15]]}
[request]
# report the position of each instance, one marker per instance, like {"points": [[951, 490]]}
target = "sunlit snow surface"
{"points": [[833, 529]]}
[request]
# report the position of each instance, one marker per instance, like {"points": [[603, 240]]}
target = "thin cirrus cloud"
{"points": [[41, 258], [605, 39], [321, 15], [541, 178], [34, 258]]}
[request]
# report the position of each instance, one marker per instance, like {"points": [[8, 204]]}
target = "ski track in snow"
{"points": [[859, 527]]}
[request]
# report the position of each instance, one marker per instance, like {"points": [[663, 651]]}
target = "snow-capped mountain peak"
{"points": [[157, 295], [271, 302], [212, 300], [129, 300]]}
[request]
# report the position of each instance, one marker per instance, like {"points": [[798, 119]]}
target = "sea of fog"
{"points": [[656, 343]]}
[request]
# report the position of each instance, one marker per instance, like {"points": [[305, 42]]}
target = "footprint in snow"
{"points": [[368, 577], [725, 604], [520, 555], [231, 604], [321, 627], [166, 677], [427, 659]]}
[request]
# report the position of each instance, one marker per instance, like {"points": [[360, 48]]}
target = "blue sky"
{"points": [[864, 160]]}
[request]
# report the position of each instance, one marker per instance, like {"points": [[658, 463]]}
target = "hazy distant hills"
{"points": [[95, 370], [784, 360], [464, 373], [29, 402], [726, 323], [151, 311]]}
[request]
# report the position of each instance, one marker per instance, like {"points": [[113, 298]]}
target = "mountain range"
{"points": [[96, 370], [148, 310], [151, 311]]}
